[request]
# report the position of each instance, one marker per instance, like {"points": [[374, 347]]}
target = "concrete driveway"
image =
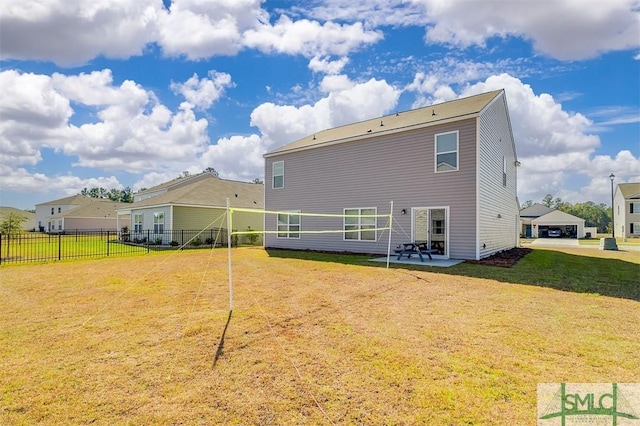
{"points": [[555, 242]]}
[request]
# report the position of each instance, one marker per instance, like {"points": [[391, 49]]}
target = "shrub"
{"points": [[252, 237], [196, 242]]}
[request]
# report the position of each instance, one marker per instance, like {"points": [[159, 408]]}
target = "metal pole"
{"points": [[229, 226], [390, 228], [613, 222]]}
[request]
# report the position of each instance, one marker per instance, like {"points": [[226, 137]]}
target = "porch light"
{"points": [[403, 211]]}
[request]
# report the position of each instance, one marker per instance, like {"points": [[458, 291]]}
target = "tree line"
{"points": [[598, 215]]}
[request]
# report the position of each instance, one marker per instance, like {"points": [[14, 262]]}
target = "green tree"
{"points": [[12, 223], [257, 181]]}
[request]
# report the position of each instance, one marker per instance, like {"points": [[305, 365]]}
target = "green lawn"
{"points": [[577, 270]]}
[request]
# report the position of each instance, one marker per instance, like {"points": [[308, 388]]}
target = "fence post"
{"points": [[0, 249], [59, 245], [107, 241], [148, 238]]}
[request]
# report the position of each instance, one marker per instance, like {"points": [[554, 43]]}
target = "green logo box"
{"points": [[602, 404]]}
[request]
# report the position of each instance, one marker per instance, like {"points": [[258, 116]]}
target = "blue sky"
{"points": [[136, 92]]}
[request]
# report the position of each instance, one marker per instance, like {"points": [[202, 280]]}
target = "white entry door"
{"points": [[431, 225]]}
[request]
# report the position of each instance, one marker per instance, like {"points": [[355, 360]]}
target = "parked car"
{"points": [[554, 233]]}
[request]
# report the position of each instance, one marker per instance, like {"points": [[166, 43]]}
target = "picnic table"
{"points": [[409, 249]]}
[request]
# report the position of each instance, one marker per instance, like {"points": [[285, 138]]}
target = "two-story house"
{"points": [[77, 212], [450, 170], [626, 210]]}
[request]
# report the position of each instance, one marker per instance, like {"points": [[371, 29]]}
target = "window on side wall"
{"points": [[289, 224], [360, 224], [504, 171], [446, 152], [278, 174], [634, 228], [158, 223], [137, 222]]}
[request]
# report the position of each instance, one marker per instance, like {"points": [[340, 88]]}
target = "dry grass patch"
{"points": [[149, 341]]}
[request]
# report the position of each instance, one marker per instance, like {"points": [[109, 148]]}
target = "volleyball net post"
{"points": [[360, 228]]}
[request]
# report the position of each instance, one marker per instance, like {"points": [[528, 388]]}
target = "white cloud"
{"points": [[72, 32], [346, 102], [202, 93], [21, 180], [132, 130], [564, 29], [236, 157], [309, 38], [198, 29], [324, 65]]}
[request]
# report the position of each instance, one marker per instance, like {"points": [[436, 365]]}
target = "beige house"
{"points": [[192, 204], [450, 170], [77, 212], [626, 210]]}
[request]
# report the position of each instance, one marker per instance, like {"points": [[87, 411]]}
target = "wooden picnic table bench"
{"points": [[409, 249]]}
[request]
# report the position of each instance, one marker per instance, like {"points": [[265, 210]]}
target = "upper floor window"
{"points": [[59, 209], [278, 174], [360, 224], [634, 208], [51, 210], [158, 223], [446, 152], [289, 225]]}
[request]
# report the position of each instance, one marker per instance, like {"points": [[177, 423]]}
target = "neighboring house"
{"points": [[626, 207], [528, 214], [450, 170], [537, 220], [28, 225], [192, 203], [77, 212]]}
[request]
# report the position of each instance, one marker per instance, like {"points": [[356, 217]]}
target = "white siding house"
{"points": [[450, 170], [626, 210]]}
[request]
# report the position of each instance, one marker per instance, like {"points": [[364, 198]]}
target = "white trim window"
{"points": [[504, 171], [360, 224], [158, 223], [278, 174], [446, 152], [634, 207], [634, 228], [289, 224], [137, 222]]}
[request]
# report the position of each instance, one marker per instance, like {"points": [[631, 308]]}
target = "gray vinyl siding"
{"points": [[497, 207], [371, 173]]}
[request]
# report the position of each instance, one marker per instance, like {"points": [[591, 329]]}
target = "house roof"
{"points": [[422, 117], [179, 181], [557, 217], [536, 210], [209, 192], [629, 190], [96, 208], [30, 223], [80, 200]]}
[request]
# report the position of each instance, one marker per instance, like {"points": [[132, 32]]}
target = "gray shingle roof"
{"points": [[209, 192], [421, 117], [630, 190]]}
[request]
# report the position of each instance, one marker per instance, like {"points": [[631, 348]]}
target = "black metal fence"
{"points": [[41, 247]]}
